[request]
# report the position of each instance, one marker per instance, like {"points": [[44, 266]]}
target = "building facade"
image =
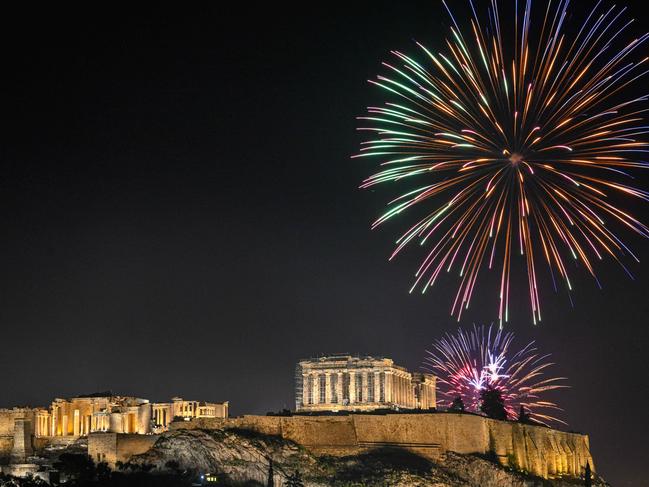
{"points": [[349, 383], [79, 416], [108, 413], [164, 413], [132, 422]]}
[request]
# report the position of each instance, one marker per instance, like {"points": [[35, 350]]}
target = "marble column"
{"points": [[316, 388], [407, 390], [395, 385], [398, 387], [328, 387], [377, 387], [366, 396], [386, 385], [305, 385], [352, 388], [339, 388], [75, 423]]}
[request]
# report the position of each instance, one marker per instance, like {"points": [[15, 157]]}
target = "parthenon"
{"points": [[345, 382]]}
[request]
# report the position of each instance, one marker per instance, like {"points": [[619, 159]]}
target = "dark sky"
{"points": [[180, 216]]}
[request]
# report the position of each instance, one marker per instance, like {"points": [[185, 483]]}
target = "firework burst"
{"points": [[513, 140], [471, 361]]}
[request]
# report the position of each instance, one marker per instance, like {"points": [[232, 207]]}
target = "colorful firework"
{"points": [[520, 149], [470, 361]]}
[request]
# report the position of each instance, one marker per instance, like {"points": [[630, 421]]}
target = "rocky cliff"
{"points": [[244, 457]]}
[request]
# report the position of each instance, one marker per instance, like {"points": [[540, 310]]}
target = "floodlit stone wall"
{"points": [[8, 419], [116, 447], [536, 449]]}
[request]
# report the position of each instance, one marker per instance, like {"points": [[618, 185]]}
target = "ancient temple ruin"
{"points": [[349, 383], [26, 430]]}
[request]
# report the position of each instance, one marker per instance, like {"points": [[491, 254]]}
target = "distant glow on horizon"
{"points": [[513, 153], [468, 362]]}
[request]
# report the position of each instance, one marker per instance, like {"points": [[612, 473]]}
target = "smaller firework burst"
{"points": [[468, 362]]}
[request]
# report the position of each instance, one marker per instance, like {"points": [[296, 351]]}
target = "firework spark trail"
{"points": [[518, 153], [468, 362]]}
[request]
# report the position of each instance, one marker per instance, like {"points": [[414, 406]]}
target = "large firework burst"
{"points": [[513, 140], [470, 361]]}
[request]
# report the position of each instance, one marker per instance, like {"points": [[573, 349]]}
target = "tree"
{"points": [[28, 481], [294, 480], [103, 472], [173, 465], [588, 477], [492, 404], [457, 405], [523, 415], [271, 480], [77, 467]]}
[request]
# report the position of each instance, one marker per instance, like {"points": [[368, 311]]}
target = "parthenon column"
{"points": [[352, 388], [395, 388], [328, 387], [406, 396], [387, 383], [305, 392], [316, 389], [365, 376], [399, 390], [377, 387], [339, 388], [406, 389]]}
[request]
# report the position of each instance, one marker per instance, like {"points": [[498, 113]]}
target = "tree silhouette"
{"points": [[588, 478], [103, 472], [492, 404], [271, 481], [294, 480], [76, 466], [173, 465], [457, 405], [523, 415]]}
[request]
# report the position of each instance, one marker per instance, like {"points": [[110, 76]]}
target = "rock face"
{"points": [[244, 457]]}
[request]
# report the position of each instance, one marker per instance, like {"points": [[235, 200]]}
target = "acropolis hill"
{"points": [[346, 407]]}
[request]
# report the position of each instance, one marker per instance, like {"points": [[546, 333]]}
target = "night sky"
{"points": [[180, 216]]}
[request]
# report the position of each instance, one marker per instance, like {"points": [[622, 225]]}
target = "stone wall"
{"points": [[541, 451], [8, 419], [117, 447]]}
